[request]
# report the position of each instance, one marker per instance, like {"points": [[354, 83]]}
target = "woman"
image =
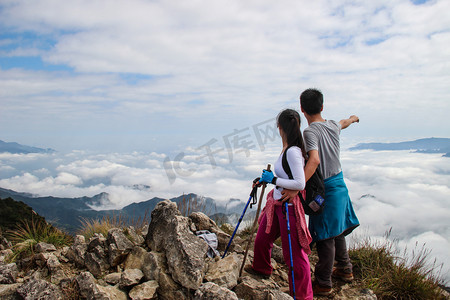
{"points": [[272, 222]]}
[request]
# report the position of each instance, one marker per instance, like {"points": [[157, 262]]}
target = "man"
{"points": [[338, 219]]}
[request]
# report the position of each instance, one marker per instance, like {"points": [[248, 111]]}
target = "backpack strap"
{"points": [[285, 164], [288, 171]]}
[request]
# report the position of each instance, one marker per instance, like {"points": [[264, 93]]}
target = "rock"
{"points": [[212, 291], [87, 287], [39, 289], [155, 268], [118, 246], [277, 295], [130, 277], [49, 260], [347, 292], [113, 278], [8, 291], [53, 263], [277, 254], [8, 273], [61, 254], [224, 272], [110, 293], [144, 291], [203, 222], [58, 276], [95, 265], [77, 252], [154, 265], [96, 257], [136, 259], [136, 238], [44, 247], [251, 288], [144, 231], [169, 233], [4, 255]]}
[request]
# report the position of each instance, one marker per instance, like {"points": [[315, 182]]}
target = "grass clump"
{"points": [[392, 276], [89, 227], [29, 233]]}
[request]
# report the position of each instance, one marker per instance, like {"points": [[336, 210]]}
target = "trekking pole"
{"points": [[253, 195], [250, 239], [290, 247]]}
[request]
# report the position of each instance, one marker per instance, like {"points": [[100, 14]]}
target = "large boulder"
{"points": [[170, 233]]}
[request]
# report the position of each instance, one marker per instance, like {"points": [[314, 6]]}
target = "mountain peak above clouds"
{"points": [[426, 145], [16, 148]]}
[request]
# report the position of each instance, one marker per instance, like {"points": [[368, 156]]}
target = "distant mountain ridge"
{"points": [[426, 145], [15, 148], [68, 213]]}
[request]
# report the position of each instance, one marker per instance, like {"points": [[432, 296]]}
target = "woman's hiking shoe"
{"points": [[249, 269], [321, 290], [344, 276]]}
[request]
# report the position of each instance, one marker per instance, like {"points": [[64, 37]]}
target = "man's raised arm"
{"points": [[347, 122]]}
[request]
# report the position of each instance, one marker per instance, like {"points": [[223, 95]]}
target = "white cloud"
{"points": [[231, 57], [161, 77], [399, 190]]}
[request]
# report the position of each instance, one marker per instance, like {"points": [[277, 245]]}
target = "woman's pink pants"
{"points": [[263, 250]]}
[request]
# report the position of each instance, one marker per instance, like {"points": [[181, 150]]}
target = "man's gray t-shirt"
{"points": [[324, 137]]}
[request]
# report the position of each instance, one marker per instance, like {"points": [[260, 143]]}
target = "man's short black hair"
{"points": [[311, 101]]}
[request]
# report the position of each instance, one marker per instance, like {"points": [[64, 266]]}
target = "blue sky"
{"points": [[160, 76], [134, 92]]}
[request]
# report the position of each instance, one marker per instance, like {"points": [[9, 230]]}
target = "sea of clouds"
{"points": [[402, 192]]}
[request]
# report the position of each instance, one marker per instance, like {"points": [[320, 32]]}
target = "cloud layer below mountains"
{"points": [[398, 190]]}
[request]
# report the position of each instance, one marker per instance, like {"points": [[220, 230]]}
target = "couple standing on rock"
{"points": [[320, 148]]}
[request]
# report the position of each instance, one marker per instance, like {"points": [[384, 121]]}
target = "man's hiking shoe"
{"points": [[344, 276], [321, 290], [249, 269]]}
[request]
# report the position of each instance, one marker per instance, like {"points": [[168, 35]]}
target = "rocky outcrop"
{"points": [[171, 234], [168, 262]]}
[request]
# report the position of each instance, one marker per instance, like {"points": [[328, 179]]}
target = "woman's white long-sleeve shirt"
{"points": [[296, 163]]}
